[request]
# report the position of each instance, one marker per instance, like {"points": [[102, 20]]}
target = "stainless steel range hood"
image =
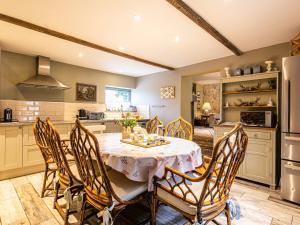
{"points": [[43, 79]]}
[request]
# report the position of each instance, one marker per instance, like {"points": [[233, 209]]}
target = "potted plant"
{"points": [[127, 124]]}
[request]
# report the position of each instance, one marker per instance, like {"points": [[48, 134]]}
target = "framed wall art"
{"points": [[86, 92], [167, 92]]}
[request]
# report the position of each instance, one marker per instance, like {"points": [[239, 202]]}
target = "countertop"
{"points": [[231, 124], [8, 124]]}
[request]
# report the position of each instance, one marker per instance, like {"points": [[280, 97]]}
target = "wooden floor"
{"points": [[20, 204]]}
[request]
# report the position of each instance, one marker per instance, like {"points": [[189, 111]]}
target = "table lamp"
{"points": [[206, 108]]}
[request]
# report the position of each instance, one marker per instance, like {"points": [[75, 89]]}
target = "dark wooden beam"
{"points": [[196, 18], [76, 40]]}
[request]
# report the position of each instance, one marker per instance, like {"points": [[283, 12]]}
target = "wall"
{"points": [[148, 92], [17, 67], [182, 78]]}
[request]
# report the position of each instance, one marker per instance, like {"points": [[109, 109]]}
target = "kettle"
{"points": [[83, 114], [7, 115]]}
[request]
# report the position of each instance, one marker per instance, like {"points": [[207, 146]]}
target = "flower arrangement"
{"points": [[127, 124]]}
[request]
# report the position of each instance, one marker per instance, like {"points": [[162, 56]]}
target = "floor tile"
{"points": [[11, 212], [34, 207]]}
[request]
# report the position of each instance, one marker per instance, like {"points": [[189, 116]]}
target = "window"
{"points": [[117, 99]]}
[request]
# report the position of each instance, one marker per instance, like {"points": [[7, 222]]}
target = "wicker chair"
{"points": [[107, 190], [179, 128], [203, 194], [67, 171], [39, 129], [151, 125]]}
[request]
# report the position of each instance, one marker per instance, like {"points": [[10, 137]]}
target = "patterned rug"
{"points": [[204, 137]]}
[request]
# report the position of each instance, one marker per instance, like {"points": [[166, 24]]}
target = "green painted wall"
{"points": [[17, 67]]}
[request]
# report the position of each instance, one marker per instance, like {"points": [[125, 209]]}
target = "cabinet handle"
{"points": [[292, 167], [288, 138]]}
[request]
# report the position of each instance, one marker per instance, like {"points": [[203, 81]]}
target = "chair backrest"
{"points": [[85, 148], [96, 128], [39, 131], [59, 154], [228, 155], [179, 128], [151, 125]]}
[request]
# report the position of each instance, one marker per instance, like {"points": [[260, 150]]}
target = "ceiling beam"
{"points": [[76, 40], [196, 18]]}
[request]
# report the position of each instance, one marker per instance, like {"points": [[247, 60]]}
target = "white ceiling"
{"points": [[249, 24]]}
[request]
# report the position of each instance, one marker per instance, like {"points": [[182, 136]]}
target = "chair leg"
{"points": [[153, 210], [45, 180], [56, 192], [228, 214], [82, 211], [66, 220]]}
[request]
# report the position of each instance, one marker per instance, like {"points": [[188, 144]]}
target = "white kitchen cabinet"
{"points": [[31, 153], [10, 148], [259, 163]]}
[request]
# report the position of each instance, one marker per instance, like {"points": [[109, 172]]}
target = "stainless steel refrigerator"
{"points": [[290, 132]]}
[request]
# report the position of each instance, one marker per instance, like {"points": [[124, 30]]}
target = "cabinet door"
{"points": [[257, 165], [32, 155], [28, 136], [10, 148]]}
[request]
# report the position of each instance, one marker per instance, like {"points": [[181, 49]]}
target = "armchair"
{"points": [[202, 194]]}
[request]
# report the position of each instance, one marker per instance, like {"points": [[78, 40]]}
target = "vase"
{"points": [[126, 131], [269, 65], [227, 73]]}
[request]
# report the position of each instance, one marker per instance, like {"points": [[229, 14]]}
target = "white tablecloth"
{"points": [[142, 164]]}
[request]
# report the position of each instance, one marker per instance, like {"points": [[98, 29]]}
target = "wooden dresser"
{"points": [[260, 159]]}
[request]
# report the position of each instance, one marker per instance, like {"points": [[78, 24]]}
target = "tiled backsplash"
{"points": [[25, 111]]}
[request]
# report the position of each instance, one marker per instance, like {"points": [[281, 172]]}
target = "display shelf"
{"points": [[248, 92], [249, 107]]}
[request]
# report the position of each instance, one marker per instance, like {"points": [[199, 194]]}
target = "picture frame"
{"points": [[167, 92], [86, 92]]}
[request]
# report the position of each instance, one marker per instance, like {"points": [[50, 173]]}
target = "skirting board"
{"points": [[21, 171]]}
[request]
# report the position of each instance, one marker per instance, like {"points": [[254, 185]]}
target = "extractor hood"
{"points": [[43, 79]]}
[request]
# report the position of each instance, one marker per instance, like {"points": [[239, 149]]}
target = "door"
{"points": [[290, 146], [290, 180], [290, 94]]}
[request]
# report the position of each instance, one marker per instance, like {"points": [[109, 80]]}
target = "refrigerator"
{"points": [[290, 129]]}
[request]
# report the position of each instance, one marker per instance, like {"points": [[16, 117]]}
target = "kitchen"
{"points": [[59, 66]]}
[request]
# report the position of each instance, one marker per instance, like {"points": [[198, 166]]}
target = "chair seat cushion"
{"points": [[179, 203], [124, 188]]}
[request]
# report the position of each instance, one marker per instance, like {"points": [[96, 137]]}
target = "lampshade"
{"points": [[206, 106]]}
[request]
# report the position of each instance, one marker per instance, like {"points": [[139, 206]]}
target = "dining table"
{"points": [[142, 164]]}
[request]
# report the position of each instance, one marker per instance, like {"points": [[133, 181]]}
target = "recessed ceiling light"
{"points": [[137, 17], [121, 48], [80, 55], [176, 38]]}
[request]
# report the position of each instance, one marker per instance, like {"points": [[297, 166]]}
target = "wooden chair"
{"points": [[108, 189], [203, 194], [39, 129], [151, 125], [67, 171], [179, 128]]}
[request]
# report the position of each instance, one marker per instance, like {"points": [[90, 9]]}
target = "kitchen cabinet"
{"points": [[260, 157], [31, 153], [10, 147]]}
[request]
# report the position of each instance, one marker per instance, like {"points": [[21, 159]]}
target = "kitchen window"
{"points": [[117, 99]]}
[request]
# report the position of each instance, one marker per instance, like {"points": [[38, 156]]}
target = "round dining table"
{"points": [[142, 164]]}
